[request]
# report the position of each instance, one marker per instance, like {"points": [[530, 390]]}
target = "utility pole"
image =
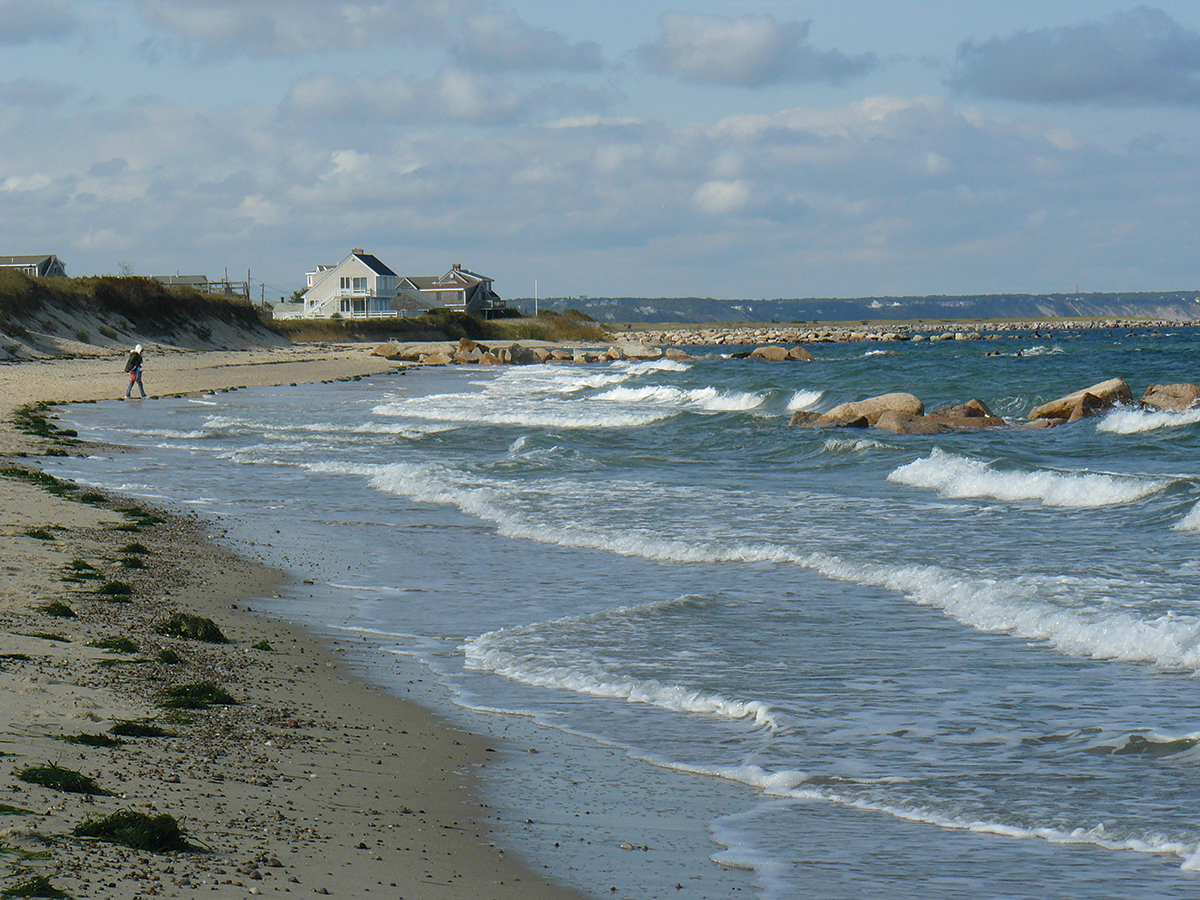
{"points": [[535, 297]]}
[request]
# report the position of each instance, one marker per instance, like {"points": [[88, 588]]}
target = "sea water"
{"points": [[752, 660]]}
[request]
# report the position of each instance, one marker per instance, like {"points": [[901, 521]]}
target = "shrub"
{"points": [[192, 628], [155, 834], [58, 778], [196, 696], [108, 332], [135, 548], [82, 336]]}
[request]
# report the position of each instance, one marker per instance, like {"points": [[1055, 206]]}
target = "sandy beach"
{"points": [[312, 783]]}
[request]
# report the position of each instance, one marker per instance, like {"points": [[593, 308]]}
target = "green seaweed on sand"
{"points": [[9, 810], [60, 778], [114, 589], [263, 645], [133, 562], [91, 740], [155, 834], [168, 657], [200, 695], [42, 534], [57, 609], [115, 645], [37, 886], [140, 730], [192, 628], [135, 547]]}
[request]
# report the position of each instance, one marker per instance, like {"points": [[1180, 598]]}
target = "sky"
{"points": [[740, 149]]}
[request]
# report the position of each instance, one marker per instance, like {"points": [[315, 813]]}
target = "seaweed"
{"points": [[59, 778], [115, 645], [168, 657], [140, 730], [37, 886], [42, 534], [155, 834], [192, 628], [8, 810], [133, 562], [92, 740], [114, 589], [263, 645], [135, 547], [58, 609], [200, 695]]}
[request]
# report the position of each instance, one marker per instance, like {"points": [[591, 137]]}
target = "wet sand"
{"points": [[314, 782]]}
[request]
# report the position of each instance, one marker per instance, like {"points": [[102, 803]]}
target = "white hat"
{"points": [[137, 349]]}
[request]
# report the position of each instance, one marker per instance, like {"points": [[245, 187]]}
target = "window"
{"points": [[360, 285], [345, 304], [345, 284]]}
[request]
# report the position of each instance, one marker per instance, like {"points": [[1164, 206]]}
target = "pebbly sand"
{"points": [[314, 783]]}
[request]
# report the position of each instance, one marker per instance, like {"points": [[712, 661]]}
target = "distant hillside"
{"points": [[1173, 305]]}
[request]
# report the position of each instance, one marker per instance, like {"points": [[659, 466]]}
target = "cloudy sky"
{"points": [[724, 148]]}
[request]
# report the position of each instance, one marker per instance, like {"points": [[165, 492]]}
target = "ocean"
{"points": [[722, 657]]}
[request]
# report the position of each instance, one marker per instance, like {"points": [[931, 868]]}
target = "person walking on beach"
{"points": [[133, 365]]}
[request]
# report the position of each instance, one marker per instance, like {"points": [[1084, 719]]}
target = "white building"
{"points": [[357, 287]]}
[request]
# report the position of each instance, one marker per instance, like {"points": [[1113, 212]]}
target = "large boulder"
{"points": [[1172, 397], [771, 353], [388, 350], [638, 350], [874, 407], [436, 359], [1104, 396]]}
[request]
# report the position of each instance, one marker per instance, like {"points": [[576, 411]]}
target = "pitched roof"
{"points": [[25, 260], [372, 262]]}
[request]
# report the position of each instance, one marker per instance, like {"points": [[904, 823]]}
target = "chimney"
{"points": [[357, 250], [458, 267]]}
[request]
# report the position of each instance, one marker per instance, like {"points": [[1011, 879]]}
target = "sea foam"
{"points": [[1135, 421], [959, 477]]}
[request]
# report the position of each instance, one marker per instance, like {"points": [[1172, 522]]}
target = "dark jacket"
{"points": [[134, 361]]}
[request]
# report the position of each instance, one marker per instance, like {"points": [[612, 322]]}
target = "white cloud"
{"points": [[719, 198], [503, 42], [298, 27], [748, 52], [1136, 57], [32, 21], [451, 96]]}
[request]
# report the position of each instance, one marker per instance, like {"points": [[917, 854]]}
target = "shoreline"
{"points": [[316, 781]]}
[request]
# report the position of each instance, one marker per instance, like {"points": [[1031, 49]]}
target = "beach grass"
{"points": [[7, 809], [114, 590]]}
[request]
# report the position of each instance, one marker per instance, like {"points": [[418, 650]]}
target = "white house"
{"points": [[359, 286]]}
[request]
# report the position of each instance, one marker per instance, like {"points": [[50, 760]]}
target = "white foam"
{"points": [[1190, 522], [502, 653], [1135, 421], [803, 399], [959, 477], [855, 445]]}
